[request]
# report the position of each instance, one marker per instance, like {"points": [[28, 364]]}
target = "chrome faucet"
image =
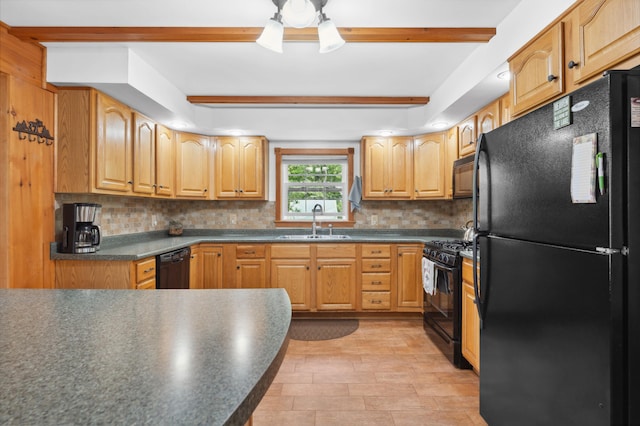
{"points": [[314, 210]]}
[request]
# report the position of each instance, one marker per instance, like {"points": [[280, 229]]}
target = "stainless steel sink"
{"points": [[314, 237]]}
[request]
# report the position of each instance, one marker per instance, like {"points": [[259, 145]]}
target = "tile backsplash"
{"points": [[127, 215]]}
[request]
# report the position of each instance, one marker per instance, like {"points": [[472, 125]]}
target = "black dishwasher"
{"points": [[173, 269]]}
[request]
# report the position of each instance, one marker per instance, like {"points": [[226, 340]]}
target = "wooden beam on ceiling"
{"points": [[311, 100], [248, 34]]}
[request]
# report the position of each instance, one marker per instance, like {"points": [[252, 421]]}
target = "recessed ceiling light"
{"points": [[504, 75], [440, 125]]}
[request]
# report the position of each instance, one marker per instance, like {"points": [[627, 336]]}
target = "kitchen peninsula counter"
{"points": [[139, 357], [142, 245]]}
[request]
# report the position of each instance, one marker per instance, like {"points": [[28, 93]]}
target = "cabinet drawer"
{"points": [[250, 252], [376, 300], [376, 282], [376, 265], [376, 250], [336, 250], [146, 285], [146, 269], [290, 251]]}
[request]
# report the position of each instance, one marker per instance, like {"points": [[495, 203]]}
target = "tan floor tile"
{"points": [[447, 389], [476, 418], [274, 390], [276, 403], [405, 377], [293, 378], [395, 403], [430, 418], [353, 418], [385, 366], [325, 367], [459, 376], [349, 377], [284, 418], [320, 389], [382, 389], [448, 403], [329, 403]]}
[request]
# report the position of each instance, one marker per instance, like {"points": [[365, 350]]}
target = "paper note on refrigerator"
{"points": [[583, 169]]}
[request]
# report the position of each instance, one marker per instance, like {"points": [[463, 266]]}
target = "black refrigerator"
{"points": [[559, 243]]}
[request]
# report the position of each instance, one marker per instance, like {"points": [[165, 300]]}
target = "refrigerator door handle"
{"points": [[609, 251], [478, 300]]}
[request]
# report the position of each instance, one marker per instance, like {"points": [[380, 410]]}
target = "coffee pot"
{"points": [[80, 233]]}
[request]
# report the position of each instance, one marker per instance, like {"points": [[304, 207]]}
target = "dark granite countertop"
{"points": [[139, 357], [142, 245]]}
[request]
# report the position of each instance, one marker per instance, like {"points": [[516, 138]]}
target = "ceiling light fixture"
{"points": [[300, 14]]}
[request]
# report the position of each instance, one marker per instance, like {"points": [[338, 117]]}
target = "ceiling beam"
{"points": [[248, 34], [311, 100]]}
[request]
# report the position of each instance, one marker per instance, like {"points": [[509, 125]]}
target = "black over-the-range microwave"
{"points": [[463, 177]]}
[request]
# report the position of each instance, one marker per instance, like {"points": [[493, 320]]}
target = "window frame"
{"points": [[310, 153]]}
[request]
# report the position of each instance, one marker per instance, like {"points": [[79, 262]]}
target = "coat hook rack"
{"points": [[36, 131]]}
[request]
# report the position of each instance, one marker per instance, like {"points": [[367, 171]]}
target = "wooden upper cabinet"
{"points": [[505, 108], [603, 33], [165, 161], [537, 71], [144, 154], [451, 155], [429, 153], [192, 165], [387, 167], [241, 165], [489, 117], [113, 160], [93, 143], [467, 135]]}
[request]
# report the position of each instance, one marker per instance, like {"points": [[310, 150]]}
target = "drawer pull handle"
{"points": [[149, 270], [376, 302], [376, 282], [376, 266], [376, 251], [249, 252]]}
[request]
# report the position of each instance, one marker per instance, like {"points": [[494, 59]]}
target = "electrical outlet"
{"points": [[374, 219], [233, 218], [154, 220]]}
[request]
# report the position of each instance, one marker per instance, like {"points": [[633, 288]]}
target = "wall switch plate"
{"points": [[374, 219], [233, 218]]}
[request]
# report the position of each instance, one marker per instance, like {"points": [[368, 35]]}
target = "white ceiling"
{"points": [[155, 78]]}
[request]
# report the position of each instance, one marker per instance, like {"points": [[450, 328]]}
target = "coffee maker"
{"points": [[80, 233]]}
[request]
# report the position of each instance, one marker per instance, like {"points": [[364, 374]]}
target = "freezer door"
{"points": [[525, 176], [545, 345]]}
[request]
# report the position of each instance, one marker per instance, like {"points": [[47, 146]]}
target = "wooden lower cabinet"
{"points": [[251, 266], [291, 270], [409, 278], [111, 275], [376, 277], [195, 267], [211, 261], [470, 319], [336, 277]]}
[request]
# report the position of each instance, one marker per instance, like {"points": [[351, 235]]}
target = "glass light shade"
{"points": [[299, 13], [329, 36], [271, 37]]}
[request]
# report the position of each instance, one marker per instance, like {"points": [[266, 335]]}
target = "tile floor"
{"points": [[388, 372]]}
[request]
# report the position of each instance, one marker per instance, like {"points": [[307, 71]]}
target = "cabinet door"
{"points": [[192, 165], [451, 155], [488, 118], [251, 169], [400, 168], [251, 273], [374, 152], [467, 136], [537, 72], [604, 32], [505, 109], [294, 275], [227, 163], [211, 260], [144, 154], [165, 161], [195, 268], [428, 161], [112, 145], [336, 284], [470, 327], [409, 278]]}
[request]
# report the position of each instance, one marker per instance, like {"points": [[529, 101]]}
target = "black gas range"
{"points": [[443, 297]]}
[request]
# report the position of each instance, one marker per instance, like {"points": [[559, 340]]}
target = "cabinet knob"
{"points": [[154, 186], [205, 190], [319, 268], [238, 267], [551, 77], [573, 64], [219, 254], [308, 268], [241, 191], [130, 182]]}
